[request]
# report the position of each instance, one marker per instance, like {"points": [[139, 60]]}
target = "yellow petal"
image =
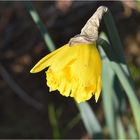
{"points": [[49, 59], [81, 95], [52, 79], [88, 65], [97, 94], [65, 88]]}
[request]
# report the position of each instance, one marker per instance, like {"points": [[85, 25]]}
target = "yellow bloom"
{"points": [[73, 70]]}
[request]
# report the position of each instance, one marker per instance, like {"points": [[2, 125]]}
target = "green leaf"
{"points": [[72, 123], [90, 121], [53, 121], [40, 25], [125, 82], [108, 94], [132, 132], [129, 92], [120, 129], [114, 36]]}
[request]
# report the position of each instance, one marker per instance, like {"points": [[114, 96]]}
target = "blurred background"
{"points": [[27, 109]]}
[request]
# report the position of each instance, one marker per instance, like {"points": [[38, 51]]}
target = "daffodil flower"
{"points": [[75, 68]]}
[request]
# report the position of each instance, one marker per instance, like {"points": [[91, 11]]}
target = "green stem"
{"points": [[116, 42], [114, 36], [40, 25], [108, 95], [90, 121]]}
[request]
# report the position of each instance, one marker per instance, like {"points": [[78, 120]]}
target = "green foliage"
{"points": [[120, 129], [40, 26], [135, 72], [53, 121], [90, 121], [107, 96]]}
